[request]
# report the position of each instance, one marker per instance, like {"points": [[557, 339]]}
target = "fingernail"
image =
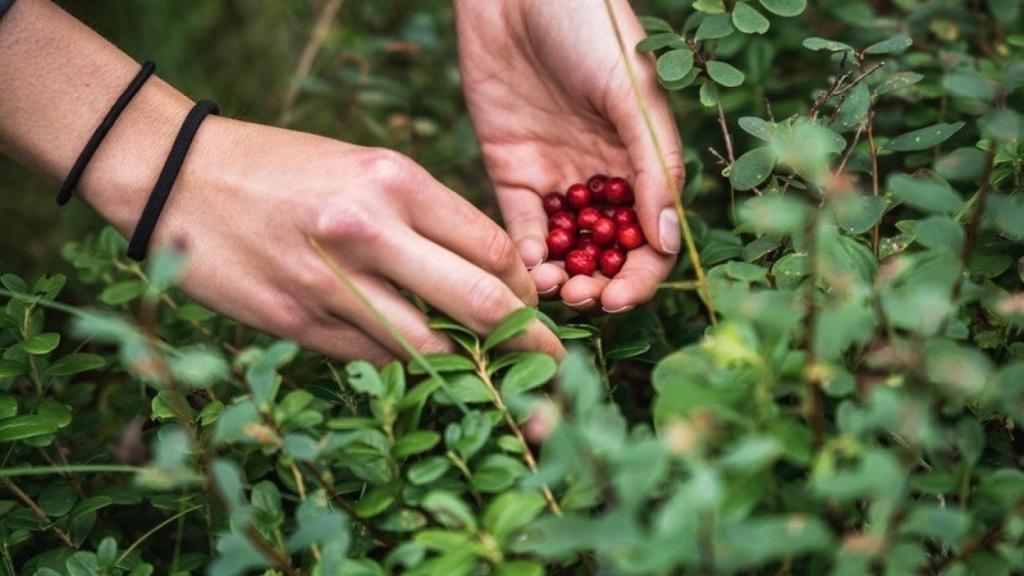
{"points": [[668, 230], [549, 292], [619, 310], [580, 304], [532, 252]]}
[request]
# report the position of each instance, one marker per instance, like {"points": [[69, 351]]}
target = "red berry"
{"points": [[554, 202], [631, 237], [562, 220], [587, 217], [619, 191], [604, 232], [609, 211], [580, 262], [612, 260], [578, 196], [596, 186], [587, 244], [624, 215], [560, 241]]}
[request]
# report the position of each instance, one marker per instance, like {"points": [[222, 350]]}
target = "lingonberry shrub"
{"points": [[833, 385]]}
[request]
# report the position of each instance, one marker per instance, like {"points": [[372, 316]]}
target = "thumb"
{"points": [[658, 168], [652, 143]]}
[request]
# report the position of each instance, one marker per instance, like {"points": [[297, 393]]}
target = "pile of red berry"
{"points": [[593, 226]]}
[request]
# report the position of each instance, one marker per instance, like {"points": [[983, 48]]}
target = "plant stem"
{"points": [[38, 511], [531, 462], [876, 229], [154, 530], [316, 39], [691, 244]]}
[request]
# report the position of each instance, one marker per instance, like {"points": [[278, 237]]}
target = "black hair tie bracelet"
{"points": [[5, 5], [71, 182], [139, 244]]}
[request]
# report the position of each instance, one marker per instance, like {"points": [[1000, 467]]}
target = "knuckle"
{"points": [[485, 300], [502, 251], [676, 166], [386, 167], [290, 318], [348, 222]]}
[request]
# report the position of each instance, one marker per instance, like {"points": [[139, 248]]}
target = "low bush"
{"points": [[831, 383]]}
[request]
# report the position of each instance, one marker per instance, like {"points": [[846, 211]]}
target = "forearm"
{"points": [[59, 79]]}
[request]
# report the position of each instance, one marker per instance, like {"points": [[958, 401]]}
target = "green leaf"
{"points": [[57, 499], [854, 109], [758, 128], [771, 214], [1002, 125], [122, 292], [199, 367], [74, 364], [940, 233], [531, 371], [924, 138], [898, 81], [416, 442], [968, 85], [630, 349], [8, 405], [41, 343], [519, 568], [752, 168], [856, 213], [654, 24], [709, 6], [510, 512], [748, 20], [674, 65], [894, 45], [785, 8], [301, 446], [443, 362], [10, 368], [660, 41], [427, 470], [724, 74], [961, 165], [1007, 214], [449, 510], [513, 325], [714, 27], [817, 44], [364, 378], [946, 524], [375, 502], [926, 194], [28, 426]]}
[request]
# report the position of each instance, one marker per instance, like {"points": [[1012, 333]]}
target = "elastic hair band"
{"points": [[139, 244], [5, 5], [71, 182]]}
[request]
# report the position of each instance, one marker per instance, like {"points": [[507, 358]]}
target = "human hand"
{"points": [[250, 196], [552, 104]]}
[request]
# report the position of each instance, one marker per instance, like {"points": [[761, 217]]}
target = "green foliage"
{"points": [[856, 409]]}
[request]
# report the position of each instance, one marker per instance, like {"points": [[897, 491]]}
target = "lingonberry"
{"points": [[578, 196], [608, 211], [611, 261], [624, 216], [560, 242], [562, 220], [554, 202], [618, 191], [604, 232], [580, 263], [587, 217], [596, 186], [630, 237], [587, 244]]}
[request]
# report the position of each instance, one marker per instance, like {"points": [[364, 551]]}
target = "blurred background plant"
{"points": [[855, 190]]}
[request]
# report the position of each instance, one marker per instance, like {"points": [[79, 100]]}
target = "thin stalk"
{"points": [[38, 511], [691, 244], [379, 316], [531, 462], [875, 230], [154, 530], [80, 468]]}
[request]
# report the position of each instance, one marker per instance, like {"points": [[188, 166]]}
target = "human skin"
{"points": [[552, 104], [250, 197]]}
